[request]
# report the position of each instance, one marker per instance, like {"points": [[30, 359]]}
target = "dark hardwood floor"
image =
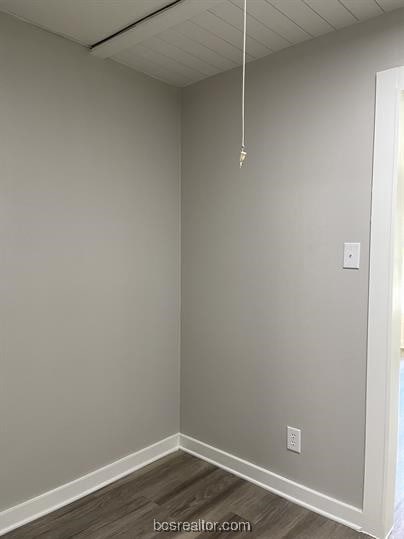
{"points": [[181, 487]]}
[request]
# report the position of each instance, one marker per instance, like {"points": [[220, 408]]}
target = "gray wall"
{"points": [[89, 261], [273, 329]]}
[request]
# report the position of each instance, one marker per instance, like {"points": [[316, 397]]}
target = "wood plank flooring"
{"points": [[181, 487]]}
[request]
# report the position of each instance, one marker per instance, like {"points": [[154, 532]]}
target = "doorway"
{"points": [[398, 529]]}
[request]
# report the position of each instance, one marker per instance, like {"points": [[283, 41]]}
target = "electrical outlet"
{"points": [[294, 440]]}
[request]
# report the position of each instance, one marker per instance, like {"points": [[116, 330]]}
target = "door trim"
{"points": [[382, 370]]}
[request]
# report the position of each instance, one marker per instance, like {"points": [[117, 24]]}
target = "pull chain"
{"points": [[243, 152]]}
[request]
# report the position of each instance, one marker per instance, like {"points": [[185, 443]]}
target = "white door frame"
{"points": [[384, 313]]}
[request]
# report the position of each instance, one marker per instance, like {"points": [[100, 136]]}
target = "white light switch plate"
{"points": [[352, 253]]}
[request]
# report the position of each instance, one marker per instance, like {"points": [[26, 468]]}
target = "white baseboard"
{"points": [[310, 499], [54, 499]]}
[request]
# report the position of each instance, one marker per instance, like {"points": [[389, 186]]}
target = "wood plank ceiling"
{"points": [[192, 39]]}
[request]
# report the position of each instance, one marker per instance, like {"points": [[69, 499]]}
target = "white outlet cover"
{"points": [[294, 439]]}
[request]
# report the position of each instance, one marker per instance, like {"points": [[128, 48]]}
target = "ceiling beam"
{"points": [[151, 25]]}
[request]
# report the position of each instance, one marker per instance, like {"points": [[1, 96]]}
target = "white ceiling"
{"points": [[84, 21], [193, 39]]}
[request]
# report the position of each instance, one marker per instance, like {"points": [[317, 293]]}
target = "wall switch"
{"points": [[294, 441], [352, 255]]}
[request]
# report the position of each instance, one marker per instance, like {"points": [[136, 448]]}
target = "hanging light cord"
{"points": [[243, 153]]}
